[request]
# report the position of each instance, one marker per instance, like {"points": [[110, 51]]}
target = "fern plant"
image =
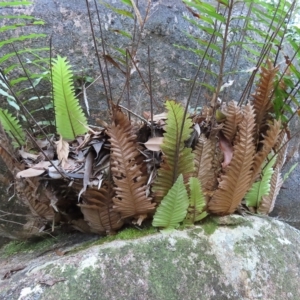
{"points": [[262, 187], [177, 159], [13, 127], [31, 62], [173, 208], [209, 162], [69, 116]]}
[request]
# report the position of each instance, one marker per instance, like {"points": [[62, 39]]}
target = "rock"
{"points": [[255, 259]]}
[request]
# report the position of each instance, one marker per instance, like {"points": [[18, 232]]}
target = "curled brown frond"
{"points": [[235, 182], [262, 101], [267, 203], [269, 141], [126, 164], [234, 116], [39, 204], [98, 212]]}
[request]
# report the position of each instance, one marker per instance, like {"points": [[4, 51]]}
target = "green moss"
{"points": [[125, 234], [209, 226], [38, 245]]}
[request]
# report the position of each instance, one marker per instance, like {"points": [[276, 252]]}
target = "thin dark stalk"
{"points": [[286, 68], [283, 145], [249, 84], [136, 45], [51, 74], [175, 174], [292, 91], [30, 81], [97, 54], [238, 50], [150, 94], [103, 49], [128, 83], [133, 113], [141, 75], [212, 39], [222, 63]]}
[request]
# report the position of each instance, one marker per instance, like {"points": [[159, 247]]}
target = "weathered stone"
{"points": [[256, 259]]}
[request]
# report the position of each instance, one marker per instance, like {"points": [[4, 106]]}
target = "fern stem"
{"points": [[175, 175], [97, 54], [103, 50], [222, 63], [51, 73], [150, 94]]}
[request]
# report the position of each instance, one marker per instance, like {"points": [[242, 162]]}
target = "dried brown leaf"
{"points": [[127, 163], [39, 205], [31, 172], [98, 212], [269, 141], [154, 143], [234, 116], [235, 182], [27, 155], [62, 151], [281, 148], [101, 219], [262, 101], [203, 161], [227, 150]]}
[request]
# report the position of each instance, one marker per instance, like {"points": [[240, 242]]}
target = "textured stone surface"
{"points": [[256, 259]]}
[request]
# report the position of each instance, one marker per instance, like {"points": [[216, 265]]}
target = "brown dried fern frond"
{"points": [[27, 191], [12, 164], [281, 148], [235, 182], [204, 155], [130, 183], [269, 142], [234, 116], [98, 212], [262, 101], [268, 202]]}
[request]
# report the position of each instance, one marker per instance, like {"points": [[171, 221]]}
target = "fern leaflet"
{"points": [[173, 208], [261, 188], [70, 119], [12, 126], [197, 202]]}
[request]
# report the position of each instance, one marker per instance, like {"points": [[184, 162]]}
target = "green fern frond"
{"points": [[261, 188], [69, 116], [197, 202], [177, 159], [173, 207], [12, 126]]}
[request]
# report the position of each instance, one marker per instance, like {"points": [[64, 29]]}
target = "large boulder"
{"points": [[226, 258]]}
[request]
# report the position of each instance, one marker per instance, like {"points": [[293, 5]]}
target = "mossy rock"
{"points": [[233, 262]]}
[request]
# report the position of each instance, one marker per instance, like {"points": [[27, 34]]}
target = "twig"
{"points": [[143, 119]]}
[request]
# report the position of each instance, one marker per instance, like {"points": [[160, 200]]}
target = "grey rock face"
{"points": [[256, 259]]}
